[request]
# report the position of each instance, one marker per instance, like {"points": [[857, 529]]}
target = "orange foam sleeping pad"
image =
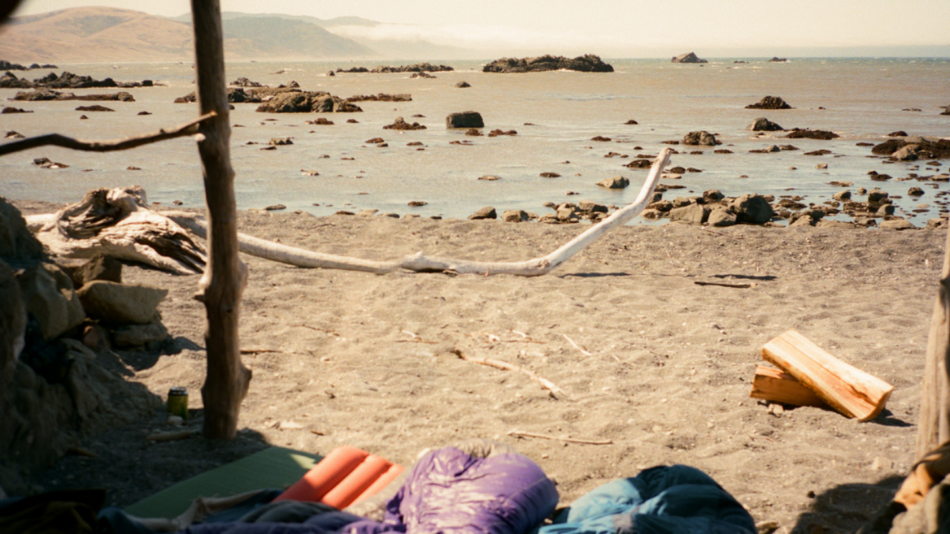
{"points": [[345, 476]]}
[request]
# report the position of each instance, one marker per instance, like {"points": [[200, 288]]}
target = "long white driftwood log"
{"points": [[418, 262]]}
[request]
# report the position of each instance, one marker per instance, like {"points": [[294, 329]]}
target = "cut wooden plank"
{"points": [[777, 386], [851, 391]]}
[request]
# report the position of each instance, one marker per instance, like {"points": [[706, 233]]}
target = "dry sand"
{"points": [[664, 374]]}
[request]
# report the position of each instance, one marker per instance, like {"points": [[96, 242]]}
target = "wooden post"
{"points": [[933, 423], [221, 286]]}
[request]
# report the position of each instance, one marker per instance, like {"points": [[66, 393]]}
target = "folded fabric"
{"points": [[662, 500]]}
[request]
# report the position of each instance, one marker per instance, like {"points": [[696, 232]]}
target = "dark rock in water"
{"points": [[764, 125], [381, 97], [418, 67], [484, 213], [144, 113], [722, 151], [585, 63], [401, 124], [422, 75], [463, 85], [600, 139], [915, 192], [822, 152], [43, 94], [244, 82], [9, 81], [550, 175], [68, 80], [474, 132], [83, 117], [489, 178], [639, 164], [464, 119], [825, 135], [898, 133], [688, 58], [321, 121], [331, 73], [921, 147], [306, 102], [778, 60], [6, 65], [703, 138], [788, 147], [946, 110], [275, 207], [417, 203], [94, 107], [752, 209], [45, 163], [770, 102], [10, 109], [617, 182], [375, 141], [631, 122], [496, 133]]}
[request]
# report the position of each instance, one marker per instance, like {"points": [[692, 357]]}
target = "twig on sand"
{"points": [[173, 436], [576, 346], [722, 284], [521, 434], [415, 339], [505, 366], [189, 128]]}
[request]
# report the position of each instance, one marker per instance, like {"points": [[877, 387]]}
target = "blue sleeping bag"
{"points": [[661, 500]]}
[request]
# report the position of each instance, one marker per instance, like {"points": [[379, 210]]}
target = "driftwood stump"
{"points": [[221, 286], [933, 426]]}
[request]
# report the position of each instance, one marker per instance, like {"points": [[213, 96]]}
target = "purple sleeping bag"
{"points": [[447, 492]]}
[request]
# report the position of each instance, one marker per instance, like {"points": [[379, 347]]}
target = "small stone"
{"points": [[776, 409], [417, 203], [275, 207], [515, 216], [617, 182], [489, 177], [487, 212]]}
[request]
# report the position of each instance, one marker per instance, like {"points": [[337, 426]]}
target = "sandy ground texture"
{"points": [[647, 359]]}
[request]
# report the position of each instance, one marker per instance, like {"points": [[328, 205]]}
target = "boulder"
{"points": [[464, 119], [16, 241], [689, 57], [769, 102], [842, 195], [586, 63], [693, 214], [99, 267], [897, 223], [764, 125], [926, 147], [514, 216], [463, 85], [12, 324], [713, 195], [120, 304], [48, 294], [588, 206], [823, 135], [137, 335], [617, 182], [752, 209], [703, 138], [720, 217], [907, 153], [484, 213]]}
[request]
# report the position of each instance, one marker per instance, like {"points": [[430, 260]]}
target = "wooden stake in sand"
{"points": [[418, 262], [851, 391]]}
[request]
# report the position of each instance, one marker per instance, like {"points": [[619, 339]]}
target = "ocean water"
{"points": [[862, 99]]}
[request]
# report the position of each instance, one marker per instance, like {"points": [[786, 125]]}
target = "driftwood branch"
{"points": [[420, 263], [189, 128], [520, 434], [505, 366]]}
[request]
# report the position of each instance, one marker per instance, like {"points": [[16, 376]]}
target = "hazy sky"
{"points": [[608, 27]]}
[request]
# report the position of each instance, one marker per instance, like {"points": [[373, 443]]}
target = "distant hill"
{"points": [[94, 34]]}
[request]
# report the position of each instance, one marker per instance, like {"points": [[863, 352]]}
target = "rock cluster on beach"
{"points": [[43, 94], [381, 97], [307, 101], [417, 67], [58, 389], [586, 63], [66, 80]]}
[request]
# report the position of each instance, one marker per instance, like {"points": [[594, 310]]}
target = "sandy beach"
{"points": [[648, 360]]}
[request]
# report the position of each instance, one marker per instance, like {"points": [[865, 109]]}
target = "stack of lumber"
{"points": [[809, 376]]}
